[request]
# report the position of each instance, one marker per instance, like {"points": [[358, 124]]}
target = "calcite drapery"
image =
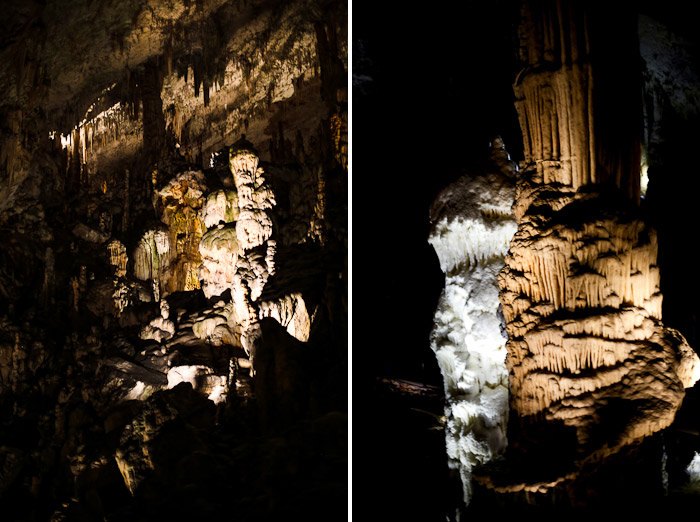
{"points": [[220, 207], [580, 294], [589, 359], [219, 245]]}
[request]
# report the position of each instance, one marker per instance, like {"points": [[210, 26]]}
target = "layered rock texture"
{"points": [[592, 367], [146, 249]]}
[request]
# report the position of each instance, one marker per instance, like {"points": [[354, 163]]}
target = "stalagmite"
{"points": [[580, 289], [219, 251], [170, 256], [253, 231], [472, 226], [161, 328], [152, 255], [219, 246]]}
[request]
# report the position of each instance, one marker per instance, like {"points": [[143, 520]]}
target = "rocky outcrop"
{"points": [[146, 442]]}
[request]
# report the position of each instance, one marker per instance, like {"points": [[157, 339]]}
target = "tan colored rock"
{"points": [[581, 299], [182, 199], [220, 207], [117, 257], [588, 355], [170, 257], [291, 312], [253, 230], [219, 251]]}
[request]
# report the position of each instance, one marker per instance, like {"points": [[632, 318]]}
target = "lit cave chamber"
{"points": [[173, 260], [565, 333]]}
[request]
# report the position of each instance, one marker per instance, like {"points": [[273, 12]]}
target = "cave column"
{"points": [[578, 93], [255, 262], [592, 369]]}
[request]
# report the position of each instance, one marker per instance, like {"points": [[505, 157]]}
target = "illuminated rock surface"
{"points": [[472, 227], [134, 262], [592, 367]]}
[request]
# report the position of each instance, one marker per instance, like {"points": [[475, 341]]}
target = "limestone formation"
{"points": [[125, 392], [161, 328], [220, 207], [472, 227], [202, 378], [291, 312], [582, 304], [152, 258], [117, 257], [219, 245], [181, 200], [253, 231], [574, 133], [590, 362], [218, 326], [219, 251]]}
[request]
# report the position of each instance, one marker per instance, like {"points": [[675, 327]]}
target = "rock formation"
{"points": [[256, 254], [135, 265], [592, 367], [472, 228], [180, 202]]}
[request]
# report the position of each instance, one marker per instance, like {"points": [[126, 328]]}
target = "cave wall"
{"points": [[134, 295]]}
